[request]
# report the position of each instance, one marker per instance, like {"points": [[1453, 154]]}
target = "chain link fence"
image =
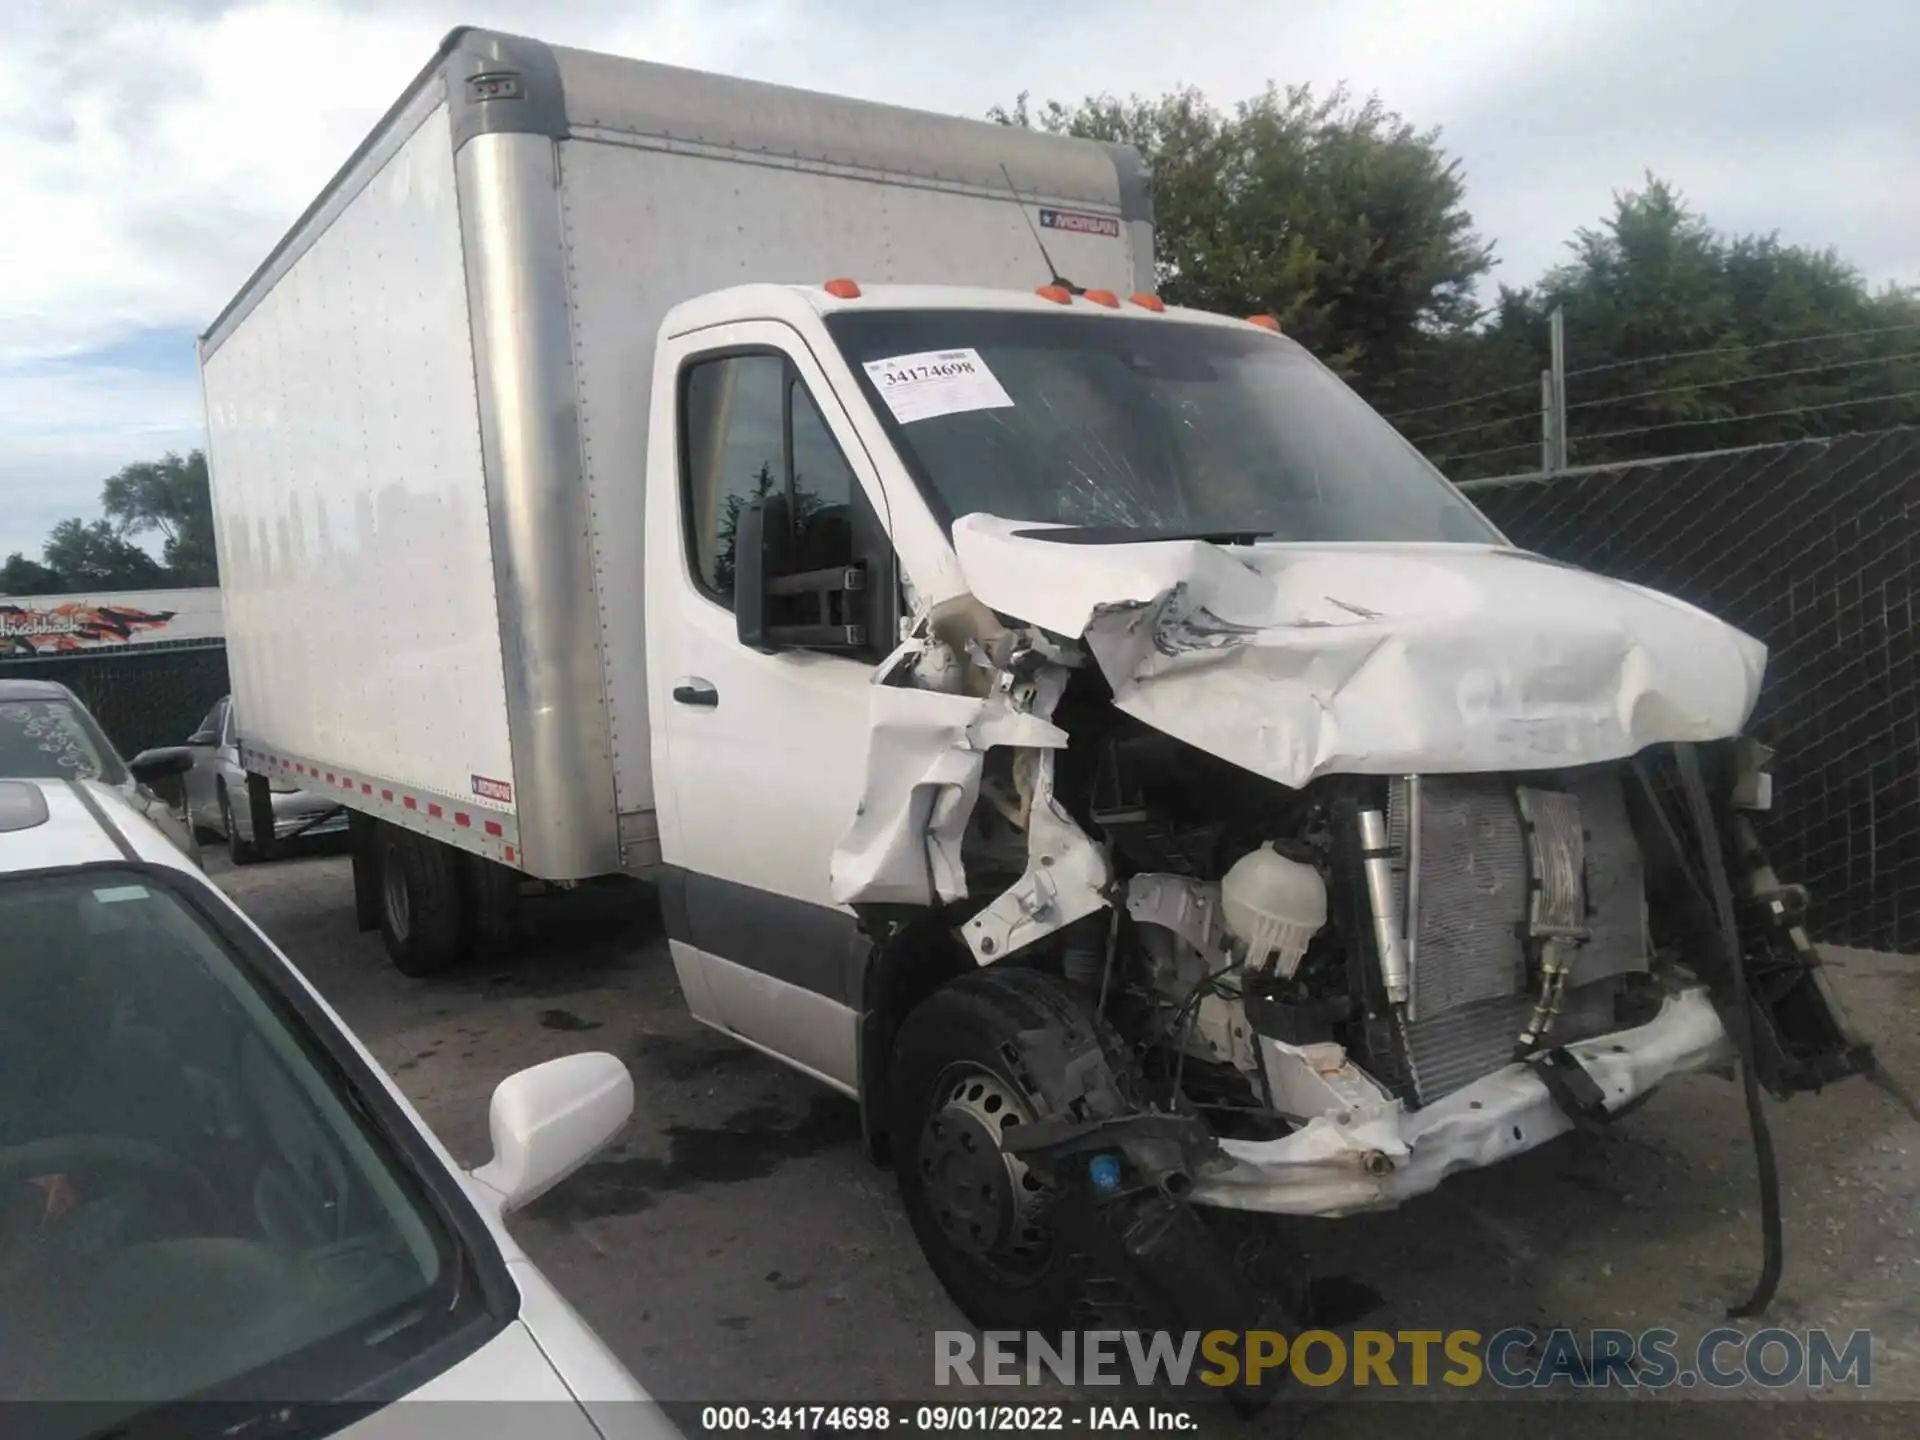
{"points": [[152, 695], [1810, 547]]}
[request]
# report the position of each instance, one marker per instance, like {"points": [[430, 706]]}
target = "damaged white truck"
{"points": [[1078, 729]]}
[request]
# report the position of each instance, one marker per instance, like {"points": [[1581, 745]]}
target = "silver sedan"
{"points": [[216, 793]]}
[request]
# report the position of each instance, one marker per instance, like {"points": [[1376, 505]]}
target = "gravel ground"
{"points": [[734, 1244]]}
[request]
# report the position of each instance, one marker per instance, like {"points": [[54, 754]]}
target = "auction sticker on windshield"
{"points": [[936, 382]]}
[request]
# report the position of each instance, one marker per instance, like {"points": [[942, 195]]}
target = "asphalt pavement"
{"points": [[734, 1244]]}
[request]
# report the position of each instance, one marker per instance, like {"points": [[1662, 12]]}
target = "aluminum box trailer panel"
{"points": [[427, 410]]}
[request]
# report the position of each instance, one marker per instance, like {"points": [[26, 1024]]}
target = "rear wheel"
{"points": [[981, 1216], [240, 851], [420, 912], [493, 902]]}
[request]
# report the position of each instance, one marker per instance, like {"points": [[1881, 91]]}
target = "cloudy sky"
{"points": [[151, 151]]}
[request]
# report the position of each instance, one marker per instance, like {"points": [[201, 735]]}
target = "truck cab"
{"points": [[1153, 698]]}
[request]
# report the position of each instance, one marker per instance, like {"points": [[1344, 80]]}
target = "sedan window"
{"points": [[54, 740], [193, 1195]]}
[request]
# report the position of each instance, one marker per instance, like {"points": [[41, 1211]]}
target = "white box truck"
{"points": [[1079, 729]]}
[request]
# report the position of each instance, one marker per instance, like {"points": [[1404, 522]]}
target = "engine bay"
{"points": [[1267, 953], [1277, 954]]}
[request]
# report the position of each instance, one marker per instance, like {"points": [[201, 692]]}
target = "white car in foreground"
{"points": [[210, 1192]]}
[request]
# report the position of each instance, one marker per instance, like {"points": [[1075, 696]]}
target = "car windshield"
{"points": [[54, 739], [1142, 428], [194, 1198]]}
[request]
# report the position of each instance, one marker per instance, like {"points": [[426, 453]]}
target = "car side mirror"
{"points": [[162, 763], [549, 1120], [759, 554]]}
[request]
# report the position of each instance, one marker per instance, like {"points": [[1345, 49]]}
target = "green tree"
{"points": [[94, 556], [1679, 339], [803, 504], [171, 496], [21, 576], [1341, 219]]}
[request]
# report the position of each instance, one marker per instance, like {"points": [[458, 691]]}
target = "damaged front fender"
{"points": [[926, 754]]}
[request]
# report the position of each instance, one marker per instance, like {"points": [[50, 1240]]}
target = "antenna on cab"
{"points": [[1054, 275]]}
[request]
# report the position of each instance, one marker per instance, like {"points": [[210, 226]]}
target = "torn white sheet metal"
{"points": [[1373, 1159], [1303, 660], [1066, 878], [925, 751]]}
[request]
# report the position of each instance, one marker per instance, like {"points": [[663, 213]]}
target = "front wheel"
{"points": [[983, 1219]]}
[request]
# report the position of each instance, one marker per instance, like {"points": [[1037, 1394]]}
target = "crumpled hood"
{"points": [[1296, 661]]}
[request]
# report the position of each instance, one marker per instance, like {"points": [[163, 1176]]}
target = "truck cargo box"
{"points": [[427, 410]]}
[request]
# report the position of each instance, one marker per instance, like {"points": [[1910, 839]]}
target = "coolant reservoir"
{"points": [[1274, 905]]}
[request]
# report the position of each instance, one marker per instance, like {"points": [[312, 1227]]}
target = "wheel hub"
{"points": [[987, 1201]]}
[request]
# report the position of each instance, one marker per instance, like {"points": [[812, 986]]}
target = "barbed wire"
{"points": [[1684, 424], [1749, 379], [1476, 454], [1732, 419], [1725, 349], [1533, 386]]}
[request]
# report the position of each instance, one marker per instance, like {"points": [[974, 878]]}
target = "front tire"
{"points": [[239, 850], [420, 911], [982, 1218]]}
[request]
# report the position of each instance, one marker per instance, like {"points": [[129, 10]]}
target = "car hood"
{"points": [[1299, 660], [522, 1394]]}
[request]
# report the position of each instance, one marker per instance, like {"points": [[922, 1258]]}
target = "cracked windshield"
{"points": [[1138, 428]]}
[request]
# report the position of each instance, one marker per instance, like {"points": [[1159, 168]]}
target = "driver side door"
{"points": [[760, 756]]}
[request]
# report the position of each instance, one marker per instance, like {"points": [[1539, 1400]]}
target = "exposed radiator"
{"points": [[1470, 990]]}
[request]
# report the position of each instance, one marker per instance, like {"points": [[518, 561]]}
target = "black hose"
{"points": [[1742, 1030]]}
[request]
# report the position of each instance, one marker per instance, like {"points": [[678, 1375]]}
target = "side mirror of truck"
{"points": [[776, 607], [759, 550]]}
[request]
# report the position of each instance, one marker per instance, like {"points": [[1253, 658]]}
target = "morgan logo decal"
{"points": [[1080, 223], [493, 789]]}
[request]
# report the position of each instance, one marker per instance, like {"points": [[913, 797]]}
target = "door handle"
{"points": [[696, 692]]}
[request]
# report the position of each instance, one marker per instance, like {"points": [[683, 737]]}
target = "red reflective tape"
{"points": [[434, 811], [365, 789], [329, 777], [386, 795], [412, 804], [461, 818], [509, 854], [493, 828]]}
